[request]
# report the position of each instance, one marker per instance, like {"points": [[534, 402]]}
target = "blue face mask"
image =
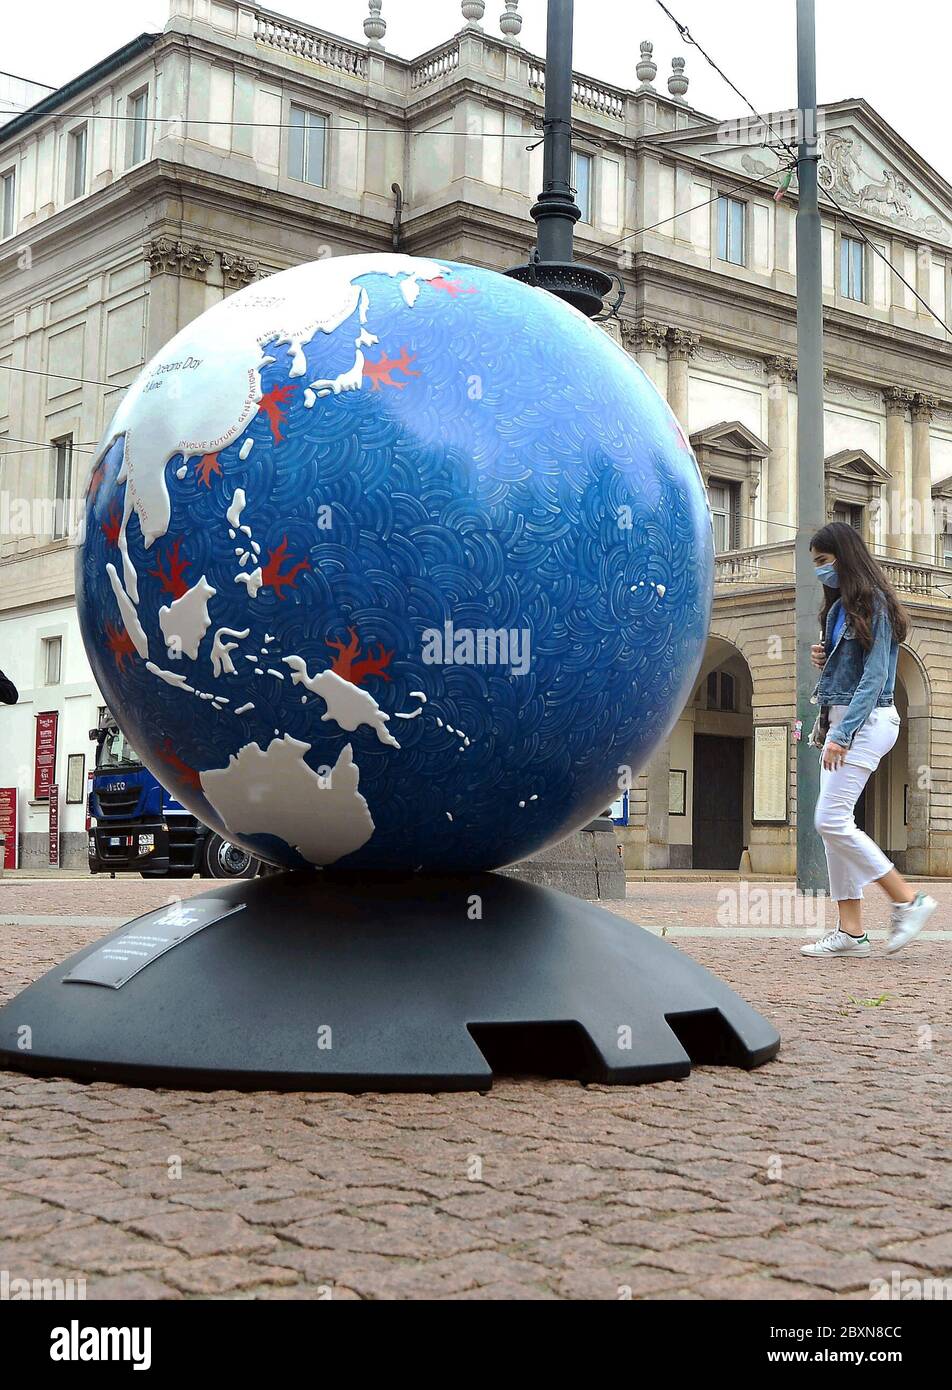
{"points": [[827, 576]]}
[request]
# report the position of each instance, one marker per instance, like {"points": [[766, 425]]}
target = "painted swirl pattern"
{"points": [[394, 563]]}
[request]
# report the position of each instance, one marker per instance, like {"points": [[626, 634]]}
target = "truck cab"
{"points": [[136, 826]]}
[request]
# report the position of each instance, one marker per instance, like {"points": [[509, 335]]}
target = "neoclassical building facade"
{"points": [[236, 143]]}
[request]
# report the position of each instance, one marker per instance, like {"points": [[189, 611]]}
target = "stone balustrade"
{"points": [[435, 65], [760, 564], [595, 96], [304, 42], [926, 580], [766, 565]]}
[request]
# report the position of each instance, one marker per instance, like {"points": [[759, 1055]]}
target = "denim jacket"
{"points": [[855, 677]]}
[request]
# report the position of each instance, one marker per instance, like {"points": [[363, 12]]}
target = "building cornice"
{"points": [[84, 82]]}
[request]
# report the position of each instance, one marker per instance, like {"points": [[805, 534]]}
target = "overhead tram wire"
{"points": [[689, 38], [883, 257], [762, 181], [113, 386]]}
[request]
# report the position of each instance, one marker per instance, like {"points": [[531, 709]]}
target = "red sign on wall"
{"points": [[8, 825], [44, 763], [54, 824]]}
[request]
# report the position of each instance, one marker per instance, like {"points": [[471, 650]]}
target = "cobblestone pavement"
{"points": [[809, 1178]]}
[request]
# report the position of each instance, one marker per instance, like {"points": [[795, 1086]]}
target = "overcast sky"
{"points": [[891, 55]]}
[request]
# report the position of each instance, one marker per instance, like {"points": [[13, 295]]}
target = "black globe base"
{"points": [[321, 982]]}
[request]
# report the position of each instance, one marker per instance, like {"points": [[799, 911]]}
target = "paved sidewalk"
{"points": [[825, 1170]]}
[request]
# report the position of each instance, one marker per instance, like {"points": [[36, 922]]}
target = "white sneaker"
{"points": [[838, 943], [908, 919]]}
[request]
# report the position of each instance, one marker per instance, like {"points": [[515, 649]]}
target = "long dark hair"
{"points": [[861, 577]]}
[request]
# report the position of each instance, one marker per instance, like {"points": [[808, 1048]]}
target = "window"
{"points": [[849, 513], [62, 478], [582, 182], [852, 265], [52, 660], [723, 499], [8, 193], [308, 136], [731, 216], [76, 163], [720, 690], [138, 111], [945, 548], [116, 751]]}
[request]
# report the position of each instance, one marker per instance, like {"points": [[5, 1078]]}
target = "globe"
{"points": [[391, 563]]}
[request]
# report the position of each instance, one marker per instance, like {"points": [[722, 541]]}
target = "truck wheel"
{"points": [[222, 859]]}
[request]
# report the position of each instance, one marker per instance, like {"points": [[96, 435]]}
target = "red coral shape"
{"points": [[272, 574], [172, 582], [206, 466], [96, 479], [452, 287], [380, 371], [270, 406], [120, 644], [112, 526], [171, 759], [348, 669]]}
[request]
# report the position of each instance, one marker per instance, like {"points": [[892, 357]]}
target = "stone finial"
{"points": [[375, 26], [511, 22], [473, 11], [677, 82], [647, 69]]}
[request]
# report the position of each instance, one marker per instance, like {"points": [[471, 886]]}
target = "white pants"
{"points": [[852, 858]]}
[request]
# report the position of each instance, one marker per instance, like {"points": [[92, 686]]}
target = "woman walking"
{"points": [[863, 623]]}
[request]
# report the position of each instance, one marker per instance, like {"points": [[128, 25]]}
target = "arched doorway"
{"points": [[719, 725], [894, 808]]}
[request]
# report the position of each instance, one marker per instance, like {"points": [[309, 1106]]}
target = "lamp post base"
{"points": [[320, 982], [582, 286]]}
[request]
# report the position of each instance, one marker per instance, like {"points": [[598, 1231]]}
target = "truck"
{"points": [[135, 825]]}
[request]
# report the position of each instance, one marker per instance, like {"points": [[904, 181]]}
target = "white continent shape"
{"points": [[274, 792]]}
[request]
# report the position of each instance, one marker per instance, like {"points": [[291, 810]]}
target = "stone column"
{"points": [[923, 519], [178, 291], [645, 338], [780, 371], [921, 756], [898, 399], [657, 843], [682, 345]]}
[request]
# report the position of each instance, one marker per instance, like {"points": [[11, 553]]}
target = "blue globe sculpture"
{"points": [[394, 563]]}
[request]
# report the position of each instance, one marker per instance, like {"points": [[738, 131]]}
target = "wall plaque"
{"points": [[117, 960], [770, 773]]}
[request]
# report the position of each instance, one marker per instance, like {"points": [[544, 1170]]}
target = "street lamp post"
{"points": [[811, 865], [555, 212]]}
